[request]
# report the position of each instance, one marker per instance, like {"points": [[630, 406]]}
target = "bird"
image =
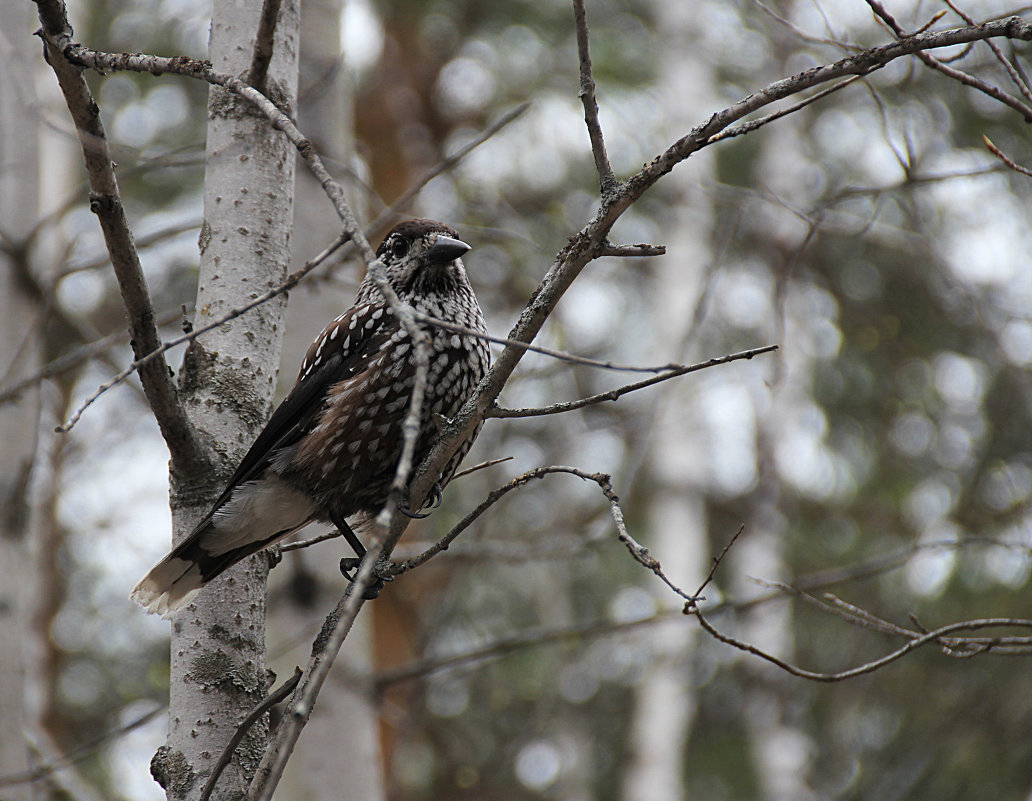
{"points": [[331, 448]]}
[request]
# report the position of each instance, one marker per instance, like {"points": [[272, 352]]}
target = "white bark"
{"points": [[20, 355], [218, 641]]}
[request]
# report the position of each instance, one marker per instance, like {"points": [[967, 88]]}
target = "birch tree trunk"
{"points": [[20, 356], [218, 668]]}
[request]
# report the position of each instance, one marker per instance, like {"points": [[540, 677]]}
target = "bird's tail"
{"points": [[258, 514], [169, 585], [177, 578]]}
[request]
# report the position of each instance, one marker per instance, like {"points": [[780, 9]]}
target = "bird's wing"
{"points": [[344, 348]]}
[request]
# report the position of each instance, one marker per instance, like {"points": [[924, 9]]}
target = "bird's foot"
{"points": [[433, 500], [349, 567]]}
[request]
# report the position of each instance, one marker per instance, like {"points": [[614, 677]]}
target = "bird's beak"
{"points": [[446, 249]]}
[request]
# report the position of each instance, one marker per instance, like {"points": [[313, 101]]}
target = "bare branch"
{"points": [[263, 44], [1005, 158], [481, 466], [638, 551], [81, 752], [561, 355], [446, 164], [968, 80], [853, 614], [606, 179], [106, 203], [493, 497], [291, 281], [604, 482], [862, 63], [631, 251], [614, 394], [324, 650], [869, 667], [267, 703], [76, 357], [752, 125], [1016, 78]]}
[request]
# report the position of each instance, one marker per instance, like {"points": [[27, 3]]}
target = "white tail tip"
{"points": [[168, 587]]}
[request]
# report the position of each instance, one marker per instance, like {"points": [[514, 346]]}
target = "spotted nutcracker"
{"points": [[330, 450]]}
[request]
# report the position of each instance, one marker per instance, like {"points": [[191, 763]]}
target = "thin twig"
{"points": [[493, 497], [1005, 158], [861, 670], [80, 752], [806, 37], [614, 394], [447, 163], [969, 80], [324, 650], [290, 282], [482, 466], [606, 179], [573, 358], [75, 357], [267, 703], [638, 551], [1017, 79], [296, 546], [264, 42], [691, 607], [604, 482], [631, 251], [752, 125], [106, 203], [142, 242]]}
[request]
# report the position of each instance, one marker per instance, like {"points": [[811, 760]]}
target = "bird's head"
{"points": [[423, 257]]}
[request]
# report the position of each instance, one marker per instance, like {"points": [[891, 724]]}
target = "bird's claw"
{"points": [[349, 564], [433, 500]]}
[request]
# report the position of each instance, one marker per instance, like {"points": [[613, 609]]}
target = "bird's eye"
{"points": [[399, 247]]}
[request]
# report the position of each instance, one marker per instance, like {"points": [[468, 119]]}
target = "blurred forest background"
{"points": [[883, 454]]}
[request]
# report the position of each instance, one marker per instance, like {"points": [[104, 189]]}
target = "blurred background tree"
{"points": [[886, 445]]}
